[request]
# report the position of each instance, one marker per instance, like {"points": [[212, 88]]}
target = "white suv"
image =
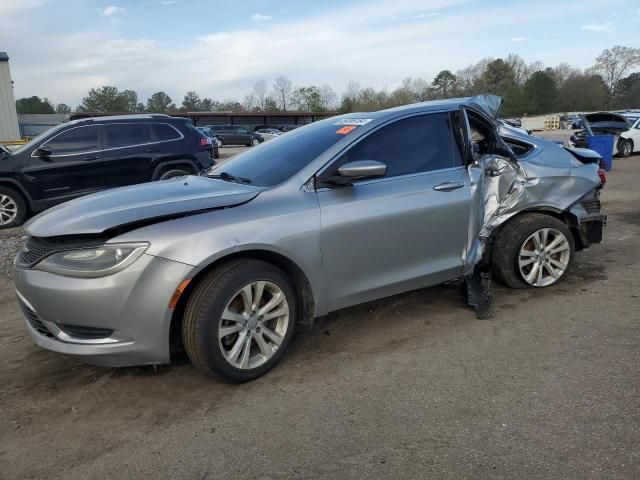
{"points": [[629, 141]]}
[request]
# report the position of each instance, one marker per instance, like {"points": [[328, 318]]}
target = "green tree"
{"points": [[160, 102], [63, 108], [581, 92], [540, 92], [627, 92], [109, 99], [191, 102], [34, 105], [307, 99], [207, 105], [444, 84], [497, 78]]}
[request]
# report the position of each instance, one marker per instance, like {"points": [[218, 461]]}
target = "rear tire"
{"points": [[625, 147], [13, 208], [226, 333], [173, 174], [517, 260]]}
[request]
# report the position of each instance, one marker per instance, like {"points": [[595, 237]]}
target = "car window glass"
{"points": [[242, 130], [75, 140], [417, 144], [127, 135], [165, 132]]}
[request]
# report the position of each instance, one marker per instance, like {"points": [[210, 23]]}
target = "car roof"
{"points": [[128, 118]]}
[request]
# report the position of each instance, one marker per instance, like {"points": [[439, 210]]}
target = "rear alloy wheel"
{"points": [[12, 208], [625, 148], [239, 320], [255, 142], [532, 250], [544, 257]]}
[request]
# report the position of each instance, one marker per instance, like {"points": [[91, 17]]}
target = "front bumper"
{"points": [[129, 310]]}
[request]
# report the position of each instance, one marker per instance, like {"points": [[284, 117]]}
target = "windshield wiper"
{"points": [[227, 177]]}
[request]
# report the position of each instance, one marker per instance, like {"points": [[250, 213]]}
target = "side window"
{"points": [[127, 135], [417, 144], [242, 130], [164, 132], [75, 140]]}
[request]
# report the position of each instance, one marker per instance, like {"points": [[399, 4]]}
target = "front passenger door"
{"points": [[404, 231]]}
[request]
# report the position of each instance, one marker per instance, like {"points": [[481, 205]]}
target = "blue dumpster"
{"points": [[603, 144]]}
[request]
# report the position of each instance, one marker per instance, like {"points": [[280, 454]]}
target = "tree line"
{"points": [[528, 89]]}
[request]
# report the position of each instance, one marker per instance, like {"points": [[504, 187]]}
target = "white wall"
{"points": [[8, 117]]}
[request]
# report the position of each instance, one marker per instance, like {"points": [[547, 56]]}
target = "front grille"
{"points": [[85, 333], [592, 205], [34, 320], [33, 251]]}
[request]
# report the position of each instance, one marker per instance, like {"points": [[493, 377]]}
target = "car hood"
{"points": [[128, 206], [607, 122]]}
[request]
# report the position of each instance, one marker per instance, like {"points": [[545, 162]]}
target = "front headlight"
{"points": [[93, 262]]}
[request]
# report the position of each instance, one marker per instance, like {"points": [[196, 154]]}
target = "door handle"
{"points": [[152, 150], [448, 186], [87, 159]]}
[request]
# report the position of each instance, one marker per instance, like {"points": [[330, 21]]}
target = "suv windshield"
{"points": [[275, 162]]}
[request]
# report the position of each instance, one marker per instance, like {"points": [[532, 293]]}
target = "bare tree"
{"points": [[248, 102], [282, 91], [613, 63], [327, 97], [260, 93]]}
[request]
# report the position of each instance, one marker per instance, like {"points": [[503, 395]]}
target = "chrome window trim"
{"points": [[33, 155]]}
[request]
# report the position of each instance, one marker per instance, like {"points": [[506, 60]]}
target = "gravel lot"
{"points": [[412, 386]]}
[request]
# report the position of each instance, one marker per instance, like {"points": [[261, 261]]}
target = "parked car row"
{"points": [[84, 156]]}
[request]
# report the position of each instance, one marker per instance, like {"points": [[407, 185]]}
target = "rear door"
{"points": [[403, 231], [72, 169], [129, 153]]}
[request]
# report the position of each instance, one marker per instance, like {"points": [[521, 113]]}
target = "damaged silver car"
{"points": [[226, 265]]}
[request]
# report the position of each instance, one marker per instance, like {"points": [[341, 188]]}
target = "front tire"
{"points": [[255, 142], [13, 208], [239, 320], [625, 148], [532, 250], [169, 174]]}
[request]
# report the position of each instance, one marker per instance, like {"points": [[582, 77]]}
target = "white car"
{"points": [[629, 141], [268, 133]]}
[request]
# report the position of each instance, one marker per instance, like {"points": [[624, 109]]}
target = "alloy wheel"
{"points": [[544, 257], [8, 209], [626, 149], [253, 325]]}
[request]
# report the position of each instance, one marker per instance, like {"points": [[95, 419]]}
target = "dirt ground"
{"points": [[412, 386]]}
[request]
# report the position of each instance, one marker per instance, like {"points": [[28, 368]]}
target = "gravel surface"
{"points": [[9, 244]]}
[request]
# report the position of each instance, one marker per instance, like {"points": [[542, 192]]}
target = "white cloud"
{"points": [[112, 10], [12, 6], [519, 39], [259, 17], [607, 27], [419, 16]]}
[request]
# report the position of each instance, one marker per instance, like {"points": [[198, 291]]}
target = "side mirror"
{"points": [[357, 170], [362, 169], [43, 151]]}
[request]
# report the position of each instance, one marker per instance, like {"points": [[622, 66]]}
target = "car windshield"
{"points": [[34, 141], [272, 163]]}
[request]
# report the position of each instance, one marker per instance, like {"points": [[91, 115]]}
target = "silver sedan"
{"points": [[226, 265]]}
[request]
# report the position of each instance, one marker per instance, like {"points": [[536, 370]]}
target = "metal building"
{"points": [[8, 116]]}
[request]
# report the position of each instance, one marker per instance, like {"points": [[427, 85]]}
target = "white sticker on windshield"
{"points": [[354, 121]]}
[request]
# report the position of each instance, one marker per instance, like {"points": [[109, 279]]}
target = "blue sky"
{"points": [[61, 48]]}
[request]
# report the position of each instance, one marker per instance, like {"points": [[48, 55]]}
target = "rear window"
{"points": [[127, 135], [164, 132], [275, 162]]}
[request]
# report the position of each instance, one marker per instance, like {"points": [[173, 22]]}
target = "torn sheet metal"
{"points": [[490, 104], [496, 185]]}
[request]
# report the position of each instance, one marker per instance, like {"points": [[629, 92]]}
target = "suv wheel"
{"points": [[255, 142], [533, 250], [173, 174], [13, 208], [625, 147], [239, 320]]}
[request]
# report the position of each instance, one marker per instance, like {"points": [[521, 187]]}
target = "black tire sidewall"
{"points": [[169, 174], [505, 256], [20, 203], [209, 314]]}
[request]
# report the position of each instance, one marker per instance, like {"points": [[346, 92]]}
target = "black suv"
{"points": [[84, 156], [235, 135]]}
